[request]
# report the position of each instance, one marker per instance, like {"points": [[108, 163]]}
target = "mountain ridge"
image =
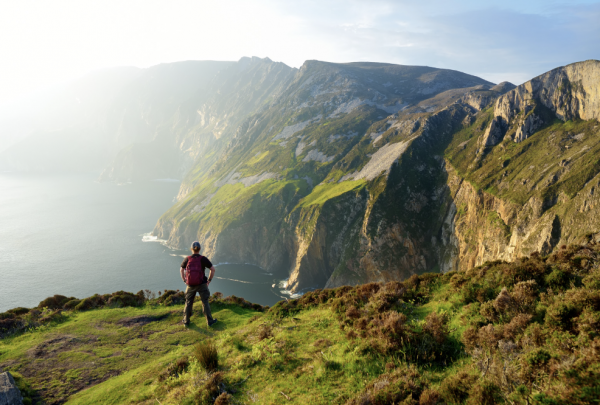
{"points": [[335, 173]]}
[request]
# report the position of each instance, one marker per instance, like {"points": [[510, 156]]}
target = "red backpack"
{"points": [[194, 271]]}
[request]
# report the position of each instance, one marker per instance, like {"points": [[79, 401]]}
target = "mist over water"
{"points": [[69, 235]]}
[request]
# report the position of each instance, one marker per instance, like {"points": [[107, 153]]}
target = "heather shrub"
{"points": [[353, 312], [265, 331], [403, 384], [516, 326], [535, 365], [485, 393], [430, 397], [525, 294], [436, 325], [126, 299], [504, 303], [71, 304], [19, 311], [223, 399], [455, 389], [489, 312], [8, 324], [7, 315], [366, 291], [211, 389], [171, 297], [175, 369], [54, 302], [95, 301], [557, 279]]}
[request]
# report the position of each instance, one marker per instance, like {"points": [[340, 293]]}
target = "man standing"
{"points": [[192, 274]]}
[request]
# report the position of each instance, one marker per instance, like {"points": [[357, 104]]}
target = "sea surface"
{"points": [[70, 235]]}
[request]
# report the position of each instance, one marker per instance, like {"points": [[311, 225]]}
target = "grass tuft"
{"points": [[207, 356]]}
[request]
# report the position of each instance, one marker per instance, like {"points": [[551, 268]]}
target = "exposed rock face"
{"points": [[528, 125], [486, 228], [9, 393], [480, 99], [494, 133], [569, 92]]}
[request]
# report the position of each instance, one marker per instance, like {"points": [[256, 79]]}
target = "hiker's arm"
{"points": [[212, 274], [182, 271]]}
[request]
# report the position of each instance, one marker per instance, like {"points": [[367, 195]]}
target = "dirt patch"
{"points": [[86, 378], [52, 347], [140, 320], [321, 343]]}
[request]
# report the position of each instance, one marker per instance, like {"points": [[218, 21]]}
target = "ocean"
{"points": [[70, 235]]}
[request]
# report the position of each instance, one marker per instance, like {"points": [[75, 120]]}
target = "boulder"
{"points": [[9, 393]]}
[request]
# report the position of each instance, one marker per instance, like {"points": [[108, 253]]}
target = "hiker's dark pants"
{"points": [[190, 294]]}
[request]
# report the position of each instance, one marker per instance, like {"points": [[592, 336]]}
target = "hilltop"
{"points": [[526, 332]]}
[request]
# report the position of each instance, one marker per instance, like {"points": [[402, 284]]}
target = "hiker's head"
{"points": [[196, 247]]}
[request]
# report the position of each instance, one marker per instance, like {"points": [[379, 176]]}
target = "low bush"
{"points": [[455, 389], [175, 369], [71, 304], [404, 385], [54, 302], [126, 299], [171, 297], [212, 389], [95, 301]]}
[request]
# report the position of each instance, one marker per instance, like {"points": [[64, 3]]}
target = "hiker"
{"points": [[192, 274]]}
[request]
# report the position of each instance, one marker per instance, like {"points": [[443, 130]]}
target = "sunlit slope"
{"points": [[520, 332]]}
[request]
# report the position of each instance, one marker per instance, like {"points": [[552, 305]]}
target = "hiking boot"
{"points": [[211, 323]]}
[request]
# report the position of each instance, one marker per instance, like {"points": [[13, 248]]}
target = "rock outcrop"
{"points": [[9, 393], [570, 92]]}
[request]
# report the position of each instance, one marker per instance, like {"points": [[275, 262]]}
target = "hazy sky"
{"points": [[49, 41]]}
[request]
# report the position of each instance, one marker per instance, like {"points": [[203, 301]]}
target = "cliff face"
{"points": [[329, 187], [570, 92], [532, 187], [306, 186]]}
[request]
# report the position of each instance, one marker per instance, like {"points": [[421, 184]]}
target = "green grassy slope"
{"points": [[526, 332], [559, 158]]}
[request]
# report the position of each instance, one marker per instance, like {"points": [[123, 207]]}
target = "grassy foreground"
{"points": [[526, 332]]}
